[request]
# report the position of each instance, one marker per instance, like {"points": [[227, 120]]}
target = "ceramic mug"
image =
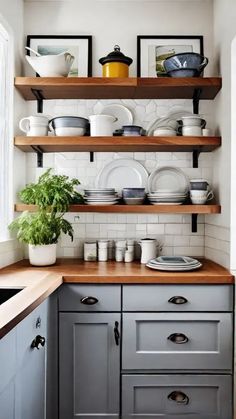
{"points": [[191, 131], [201, 196], [34, 126], [199, 184], [101, 125]]}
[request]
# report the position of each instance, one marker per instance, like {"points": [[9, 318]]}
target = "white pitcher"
{"points": [[101, 125], [34, 126], [149, 248]]}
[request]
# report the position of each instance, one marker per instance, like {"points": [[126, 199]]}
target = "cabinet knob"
{"points": [[89, 300], [178, 299], [178, 338], [178, 397], [116, 333], [39, 340]]}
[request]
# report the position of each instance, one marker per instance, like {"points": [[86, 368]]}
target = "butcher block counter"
{"points": [[38, 283]]}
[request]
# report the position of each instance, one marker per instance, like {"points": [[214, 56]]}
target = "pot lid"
{"points": [[116, 56]]}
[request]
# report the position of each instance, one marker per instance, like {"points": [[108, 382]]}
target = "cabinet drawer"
{"points": [[177, 298], [90, 298], [155, 396], [177, 341]]}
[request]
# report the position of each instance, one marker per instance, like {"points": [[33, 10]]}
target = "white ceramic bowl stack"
{"points": [[106, 196], [164, 197]]}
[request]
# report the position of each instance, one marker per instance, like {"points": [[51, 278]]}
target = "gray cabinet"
{"points": [[8, 357], [89, 365], [23, 369], [176, 396], [177, 341]]}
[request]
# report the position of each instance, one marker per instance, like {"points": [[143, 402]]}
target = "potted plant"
{"points": [[41, 230]]}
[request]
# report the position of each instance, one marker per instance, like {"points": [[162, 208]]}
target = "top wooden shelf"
{"points": [[118, 88]]}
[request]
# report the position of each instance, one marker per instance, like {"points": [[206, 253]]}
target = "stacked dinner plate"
{"points": [[162, 197], [174, 263], [105, 196]]}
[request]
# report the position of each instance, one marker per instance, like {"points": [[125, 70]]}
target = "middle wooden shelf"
{"points": [[52, 144], [135, 209]]}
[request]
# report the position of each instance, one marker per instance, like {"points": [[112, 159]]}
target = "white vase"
{"points": [[42, 255]]}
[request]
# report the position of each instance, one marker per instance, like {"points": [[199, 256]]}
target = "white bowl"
{"points": [[69, 131], [192, 121], [164, 132]]}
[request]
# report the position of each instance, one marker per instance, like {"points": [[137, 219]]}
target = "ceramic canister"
{"points": [[115, 64]]}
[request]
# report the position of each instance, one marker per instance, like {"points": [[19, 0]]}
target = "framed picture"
{"points": [[153, 50], [79, 46]]}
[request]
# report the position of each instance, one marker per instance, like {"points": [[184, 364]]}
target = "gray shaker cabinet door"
{"points": [[176, 397], [31, 366], [89, 366], [177, 341]]}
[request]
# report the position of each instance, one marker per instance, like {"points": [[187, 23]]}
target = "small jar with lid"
{"points": [[115, 64]]}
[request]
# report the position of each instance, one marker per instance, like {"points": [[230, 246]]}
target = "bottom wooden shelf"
{"points": [[136, 209]]}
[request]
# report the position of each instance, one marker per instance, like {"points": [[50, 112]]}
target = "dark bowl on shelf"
{"points": [[190, 60]]}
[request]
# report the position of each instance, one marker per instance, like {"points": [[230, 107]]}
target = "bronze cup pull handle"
{"points": [[178, 397], [178, 338], [89, 300], [178, 299]]}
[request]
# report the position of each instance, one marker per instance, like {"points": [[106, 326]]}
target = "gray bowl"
{"points": [[187, 60], [133, 193], [199, 185], [69, 122]]}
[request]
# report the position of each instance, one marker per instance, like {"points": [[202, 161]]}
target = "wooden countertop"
{"points": [[39, 283]]}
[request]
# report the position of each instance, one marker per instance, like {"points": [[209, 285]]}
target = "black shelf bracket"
{"points": [[91, 159], [39, 152], [196, 98], [194, 223], [196, 154], [39, 97]]}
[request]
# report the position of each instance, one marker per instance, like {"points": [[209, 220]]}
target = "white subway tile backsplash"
{"points": [[155, 228]]}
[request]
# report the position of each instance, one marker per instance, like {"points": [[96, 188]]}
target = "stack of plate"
{"points": [[163, 197], [106, 196], [174, 263]]}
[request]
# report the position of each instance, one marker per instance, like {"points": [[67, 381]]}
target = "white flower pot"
{"points": [[42, 255]]}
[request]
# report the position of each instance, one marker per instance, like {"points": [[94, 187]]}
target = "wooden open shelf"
{"points": [[63, 144], [135, 209], [118, 88]]}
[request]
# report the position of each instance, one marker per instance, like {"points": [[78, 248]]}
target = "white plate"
{"points": [[168, 177], [166, 203], [122, 113], [123, 173], [176, 269], [102, 203]]}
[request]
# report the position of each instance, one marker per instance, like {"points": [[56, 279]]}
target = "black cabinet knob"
{"points": [[39, 340], [178, 397], [89, 300]]}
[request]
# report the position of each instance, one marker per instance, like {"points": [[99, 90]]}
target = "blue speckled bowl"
{"points": [[133, 193], [188, 64]]}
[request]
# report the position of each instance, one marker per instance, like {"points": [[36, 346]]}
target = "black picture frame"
{"points": [[66, 37], [164, 37]]}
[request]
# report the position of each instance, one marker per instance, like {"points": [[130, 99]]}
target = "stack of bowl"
{"points": [[133, 196], [187, 64], [105, 196], [191, 125], [69, 126]]}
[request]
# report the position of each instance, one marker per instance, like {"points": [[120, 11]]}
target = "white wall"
{"points": [[224, 159], [12, 13], [119, 22]]}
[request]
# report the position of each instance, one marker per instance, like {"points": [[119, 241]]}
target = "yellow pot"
{"points": [[115, 64], [115, 70]]}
